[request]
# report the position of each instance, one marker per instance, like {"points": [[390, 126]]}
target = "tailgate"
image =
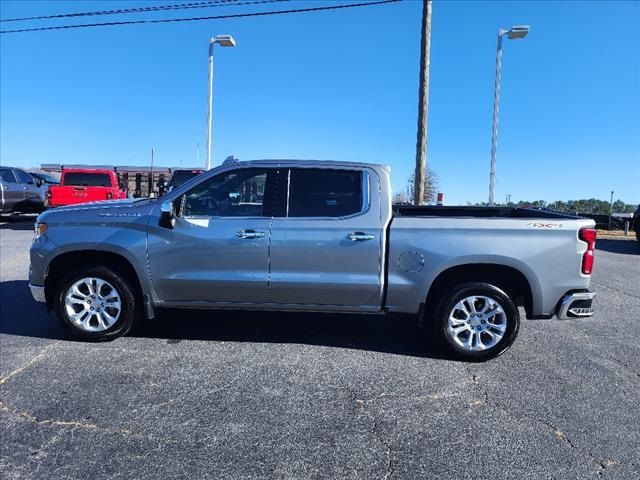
{"points": [[69, 195]]}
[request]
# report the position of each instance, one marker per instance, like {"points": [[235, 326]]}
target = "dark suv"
{"points": [[19, 191], [179, 176]]}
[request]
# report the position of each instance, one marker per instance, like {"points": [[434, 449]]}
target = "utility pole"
{"points": [[423, 104]]}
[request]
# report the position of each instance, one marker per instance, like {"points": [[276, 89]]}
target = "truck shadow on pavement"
{"points": [[20, 315], [629, 247]]}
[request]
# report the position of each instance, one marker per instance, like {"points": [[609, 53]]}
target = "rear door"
{"points": [[12, 192], [326, 249]]}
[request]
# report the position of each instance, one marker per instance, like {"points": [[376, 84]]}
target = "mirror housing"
{"points": [[167, 215]]}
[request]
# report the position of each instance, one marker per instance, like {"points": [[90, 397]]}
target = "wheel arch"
{"points": [[508, 279], [68, 261]]}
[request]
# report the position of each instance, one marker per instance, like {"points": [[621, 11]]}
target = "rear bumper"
{"points": [[37, 293], [576, 305]]}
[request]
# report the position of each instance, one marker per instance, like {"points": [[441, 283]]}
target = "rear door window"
{"points": [[324, 193], [78, 179]]}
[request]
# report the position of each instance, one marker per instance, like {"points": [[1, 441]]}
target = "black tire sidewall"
{"points": [[478, 289], [127, 298]]}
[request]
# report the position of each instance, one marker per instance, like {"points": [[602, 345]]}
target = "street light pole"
{"points": [[153, 152], [512, 33], [223, 41], [496, 108], [210, 101]]}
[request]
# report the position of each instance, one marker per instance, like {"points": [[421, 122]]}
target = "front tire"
{"points": [[96, 303], [477, 321]]}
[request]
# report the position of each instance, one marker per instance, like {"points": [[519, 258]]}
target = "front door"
{"points": [[32, 195], [327, 248], [218, 250]]}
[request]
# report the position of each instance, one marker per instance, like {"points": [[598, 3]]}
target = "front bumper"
{"points": [[576, 305], [37, 293]]}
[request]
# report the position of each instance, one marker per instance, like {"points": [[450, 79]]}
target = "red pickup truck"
{"points": [[82, 185]]}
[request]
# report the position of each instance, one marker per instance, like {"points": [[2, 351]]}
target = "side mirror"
{"points": [[167, 215]]}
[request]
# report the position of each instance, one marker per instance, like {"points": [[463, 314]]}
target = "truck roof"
{"points": [[307, 163]]}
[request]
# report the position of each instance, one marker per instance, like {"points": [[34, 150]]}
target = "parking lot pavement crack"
{"points": [[375, 431], [601, 465], [363, 408], [484, 392], [57, 423], [623, 364], [31, 362]]}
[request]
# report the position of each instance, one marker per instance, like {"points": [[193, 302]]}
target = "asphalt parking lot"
{"points": [[236, 395]]}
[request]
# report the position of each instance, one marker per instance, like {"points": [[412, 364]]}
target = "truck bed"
{"points": [[477, 212]]}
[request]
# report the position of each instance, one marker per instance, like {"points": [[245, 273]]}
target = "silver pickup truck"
{"points": [[311, 236]]}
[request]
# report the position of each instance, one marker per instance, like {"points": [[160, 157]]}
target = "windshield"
{"points": [[87, 179], [43, 176]]}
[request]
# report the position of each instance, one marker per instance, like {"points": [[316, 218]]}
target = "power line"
{"points": [[157, 8], [215, 17]]}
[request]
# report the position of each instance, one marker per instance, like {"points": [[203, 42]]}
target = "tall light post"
{"points": [[223, 41], [515, 32]]}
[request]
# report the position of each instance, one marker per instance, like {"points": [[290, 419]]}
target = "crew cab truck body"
{"points": [[312, 236], [82, 185]]}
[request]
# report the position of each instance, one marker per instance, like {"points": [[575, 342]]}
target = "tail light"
{"points": [[588, 235]]}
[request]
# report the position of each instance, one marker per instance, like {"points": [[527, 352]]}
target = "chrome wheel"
{"points": [[477, 323], [92, 304]]}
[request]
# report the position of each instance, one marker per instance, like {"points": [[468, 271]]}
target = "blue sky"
{"points": [[339, 85]]}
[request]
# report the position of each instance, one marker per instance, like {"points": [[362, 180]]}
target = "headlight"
{"points": [[39, 229]]}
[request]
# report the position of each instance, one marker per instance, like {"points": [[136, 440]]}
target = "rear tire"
{"points": [[476, 321], [96, 303]]}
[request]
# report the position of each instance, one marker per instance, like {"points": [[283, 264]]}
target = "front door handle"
{"points": [[249, 234], [360, 236]]}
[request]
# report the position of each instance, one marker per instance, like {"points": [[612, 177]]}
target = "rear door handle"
{"points": [[360, 236], [248, 233]]}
